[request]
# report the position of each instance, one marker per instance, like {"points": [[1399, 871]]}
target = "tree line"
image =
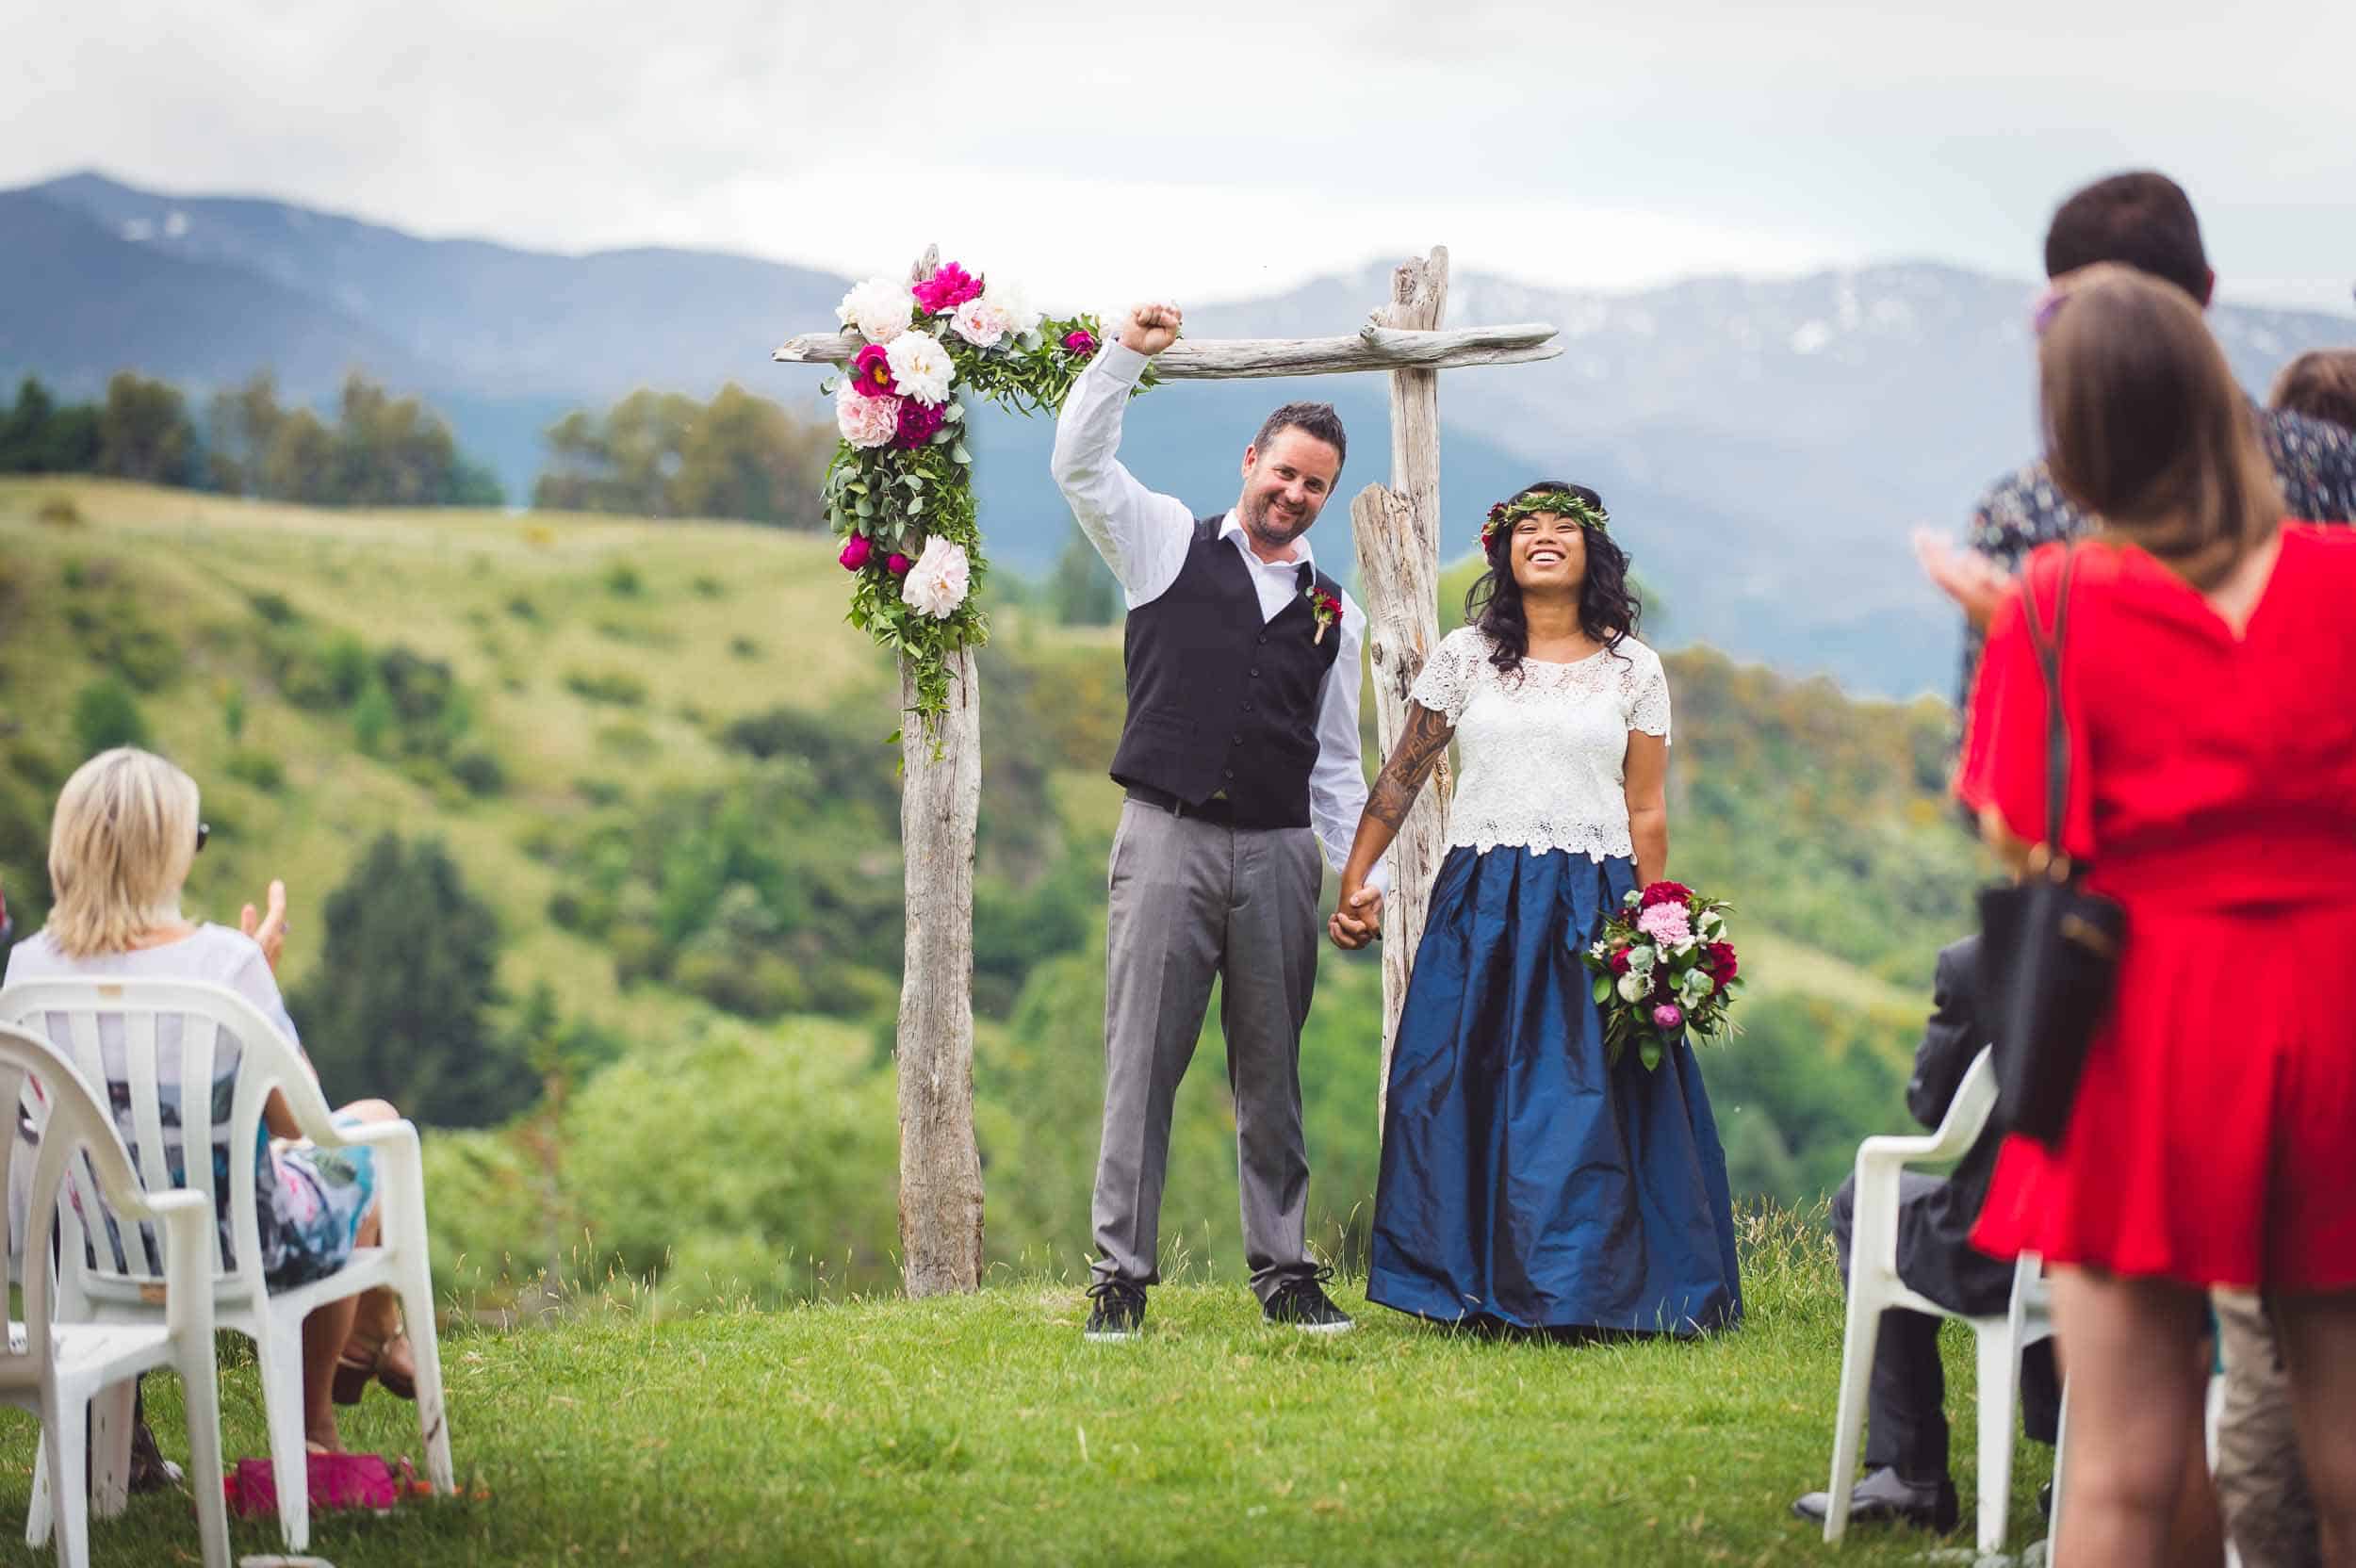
{"points": [[379, 451]]}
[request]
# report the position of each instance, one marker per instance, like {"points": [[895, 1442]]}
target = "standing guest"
{"points": [[1529, 1181], [1905, 1426], [2143, 220], [2208, 659], [1239, 755], [2260, 1484], [124, 839], [2319, 385]]}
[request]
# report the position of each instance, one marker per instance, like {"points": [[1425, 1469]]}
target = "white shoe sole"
{"points": [[1113, 1336], [1317, 1328]]}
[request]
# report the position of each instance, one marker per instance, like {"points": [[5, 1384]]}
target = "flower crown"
{"points": [[1563, 503]]}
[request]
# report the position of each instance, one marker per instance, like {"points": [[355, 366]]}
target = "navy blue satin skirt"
{"points": [[1524, 1183]]}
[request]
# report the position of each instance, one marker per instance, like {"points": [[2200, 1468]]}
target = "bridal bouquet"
{"points": [[900, 490], [1661, 966]]}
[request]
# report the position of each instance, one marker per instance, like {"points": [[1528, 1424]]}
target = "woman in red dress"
{"points": [[2209, 678]]}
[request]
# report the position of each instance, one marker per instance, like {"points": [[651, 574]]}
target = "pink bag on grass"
{"points": [[336, 1481]]}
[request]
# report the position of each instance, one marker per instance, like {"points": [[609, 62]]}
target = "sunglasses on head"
{"points": [[204, 831]]}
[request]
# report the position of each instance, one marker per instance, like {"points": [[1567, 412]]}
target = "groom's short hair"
{"points": [[1318, 419]]}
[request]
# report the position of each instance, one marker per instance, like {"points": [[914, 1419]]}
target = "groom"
{"points": [[1240, 759]]}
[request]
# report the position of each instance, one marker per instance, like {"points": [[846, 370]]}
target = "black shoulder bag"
{"points": [[2048, 949]]}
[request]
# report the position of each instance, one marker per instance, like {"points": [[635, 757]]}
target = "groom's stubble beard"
{"points": [[1264, 527]]}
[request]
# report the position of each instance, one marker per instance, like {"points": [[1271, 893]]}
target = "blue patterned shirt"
{"points": [[2315, 463]]}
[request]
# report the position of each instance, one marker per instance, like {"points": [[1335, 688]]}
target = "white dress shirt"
{"points": [[1144, 538]]}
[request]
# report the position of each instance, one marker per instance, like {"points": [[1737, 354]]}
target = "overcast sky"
{"points": [[1211, 148]]}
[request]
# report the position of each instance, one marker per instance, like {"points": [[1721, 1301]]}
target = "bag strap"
{"points": [[2048, 656]]}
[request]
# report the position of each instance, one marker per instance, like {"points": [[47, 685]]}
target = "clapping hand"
{"points": [[269, 929], [1967, 576], [1150, 329], [1358, 920]]}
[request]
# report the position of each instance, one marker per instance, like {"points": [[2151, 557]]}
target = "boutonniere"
{"points": [[1323, 608]]}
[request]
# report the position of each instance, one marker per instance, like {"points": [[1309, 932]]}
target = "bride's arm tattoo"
{"points": [[1420, 747]]}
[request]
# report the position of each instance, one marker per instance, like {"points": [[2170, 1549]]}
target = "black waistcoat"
{"points": [[1219, 701]]}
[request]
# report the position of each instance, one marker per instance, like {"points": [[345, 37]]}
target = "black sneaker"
{"points": [[1302, 1303], [1119, 1314], [1884, 1497]]}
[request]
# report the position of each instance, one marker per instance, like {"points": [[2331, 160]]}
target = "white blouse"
{"points": [[1543, 752]]}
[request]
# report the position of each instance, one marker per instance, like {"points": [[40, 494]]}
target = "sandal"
{"points": [[361, 1362]]}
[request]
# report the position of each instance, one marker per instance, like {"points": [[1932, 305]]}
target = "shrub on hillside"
{"points": [[480, 771], [58, 511], [616, 687], [259, 769], [105, 715]]}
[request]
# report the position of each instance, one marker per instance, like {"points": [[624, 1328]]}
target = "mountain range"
{"points": [[1764, 445]]}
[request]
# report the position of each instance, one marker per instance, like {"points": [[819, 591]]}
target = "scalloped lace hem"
{"points": [[1598, 843]]}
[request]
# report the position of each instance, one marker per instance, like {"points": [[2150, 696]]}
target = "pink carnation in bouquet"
{"points": [[1663, 970]]}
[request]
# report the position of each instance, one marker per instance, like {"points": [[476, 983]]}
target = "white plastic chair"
{"points": [[1875, 1288], [55, 1366], [212, 1020]]}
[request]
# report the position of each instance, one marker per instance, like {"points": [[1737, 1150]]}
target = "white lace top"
{"points": [[1543, 752]]}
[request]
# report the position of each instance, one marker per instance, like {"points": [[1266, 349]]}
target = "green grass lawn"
{"points": [[982, 1430]]}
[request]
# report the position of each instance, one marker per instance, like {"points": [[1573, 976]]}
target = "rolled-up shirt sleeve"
{"points": [[1142, 535], [1337, 780]]}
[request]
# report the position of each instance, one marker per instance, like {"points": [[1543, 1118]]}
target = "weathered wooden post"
{"points": [[940, 1165], [1397, 533]]}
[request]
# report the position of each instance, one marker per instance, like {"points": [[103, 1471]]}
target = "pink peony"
{"points": [[946, 290], [919, 423], [1079, 344], [866, 421], [981, 324], [855, 552], [897, 565], [1667, 1015], [870, 372], [1667, 923]]}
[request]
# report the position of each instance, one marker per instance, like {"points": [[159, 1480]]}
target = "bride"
{"points": [[1525, 1184]]}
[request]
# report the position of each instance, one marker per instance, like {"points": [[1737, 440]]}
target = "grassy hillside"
{"points": [[981, 1430], [655, 750]]}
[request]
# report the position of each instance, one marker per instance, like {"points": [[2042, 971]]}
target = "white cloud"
{"points": [[1236, 147]]}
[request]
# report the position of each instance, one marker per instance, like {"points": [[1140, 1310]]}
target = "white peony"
{"points": [[866, 421], [981, 324], [922, 366], [939, 580], [1015, 302], [1713, 923], [1633, 986], [877, 309]]}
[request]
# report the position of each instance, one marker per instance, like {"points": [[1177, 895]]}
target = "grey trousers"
{"points": [[1191, 900]]}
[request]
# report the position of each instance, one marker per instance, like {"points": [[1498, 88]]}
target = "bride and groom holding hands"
{"points": [[1532, 1178]]}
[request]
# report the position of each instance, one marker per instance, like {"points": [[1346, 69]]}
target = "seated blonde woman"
{"points": [[125, 835]]}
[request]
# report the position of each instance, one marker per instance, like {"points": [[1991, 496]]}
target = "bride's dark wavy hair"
{"points": [[1608, 610]]}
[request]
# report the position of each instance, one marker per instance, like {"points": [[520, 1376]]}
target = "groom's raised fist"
{"points": [[1150, 329]]}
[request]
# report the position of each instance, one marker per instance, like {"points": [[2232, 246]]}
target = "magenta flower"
{"points": [[1079, 343], [897, 565], [946, 290], [917, 423], [870, 372], [1667, 1015], [855, 552]]}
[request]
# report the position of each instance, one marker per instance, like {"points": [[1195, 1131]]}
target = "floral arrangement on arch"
{"points": [[900, 490], [1663, 967]]}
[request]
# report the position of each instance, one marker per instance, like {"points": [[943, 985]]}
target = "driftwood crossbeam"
{"points": [[1397, 531]]}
